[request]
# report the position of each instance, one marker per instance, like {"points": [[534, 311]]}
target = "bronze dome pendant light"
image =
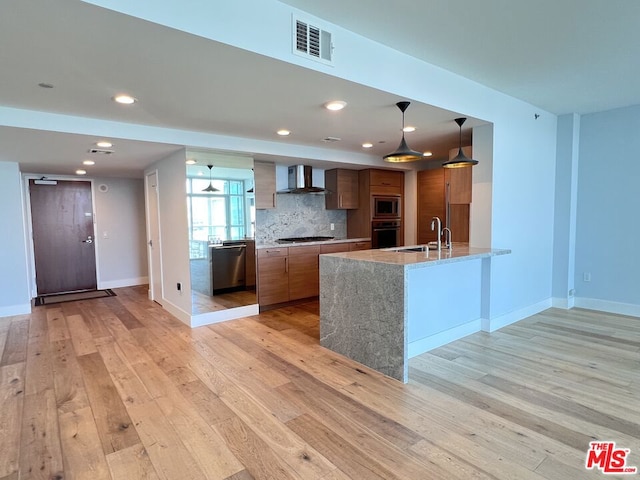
{"points": [[210, 188], [403, 153], [460, 160]]}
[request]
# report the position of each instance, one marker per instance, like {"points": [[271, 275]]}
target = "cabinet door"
{"points": [[303, 272], [273, 276], [264, 174], [430, 202], [459, 180], [386, 178], [343, 189]]}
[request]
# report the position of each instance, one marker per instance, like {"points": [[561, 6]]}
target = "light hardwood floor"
{"points": [[117, 388]]}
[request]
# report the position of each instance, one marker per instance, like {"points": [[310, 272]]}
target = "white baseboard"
{"points": [[11, 310], [224, 315], [125, 282], [423, 345], [177, 312], [493, 324], [564, 303], [630, 309]]}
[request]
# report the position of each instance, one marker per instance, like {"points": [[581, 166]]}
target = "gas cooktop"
{"points": [[303, 239]]}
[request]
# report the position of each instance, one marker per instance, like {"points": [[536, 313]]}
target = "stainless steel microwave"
{"points": [[386, 206]]}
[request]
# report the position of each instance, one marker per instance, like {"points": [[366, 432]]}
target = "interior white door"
{"points": [[153, 238]]}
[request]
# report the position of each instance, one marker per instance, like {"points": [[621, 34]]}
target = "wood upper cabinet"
{"points": [[386, 182], [386, 178], [264, 174], [343, 189], [459, 181], [432, 202], [303, 272]]}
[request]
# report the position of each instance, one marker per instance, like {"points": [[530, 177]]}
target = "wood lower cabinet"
{"points": [[359, 246], [293, 273], [273, 275], [303, 272]]}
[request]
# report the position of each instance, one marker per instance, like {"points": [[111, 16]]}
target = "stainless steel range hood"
{"points": [[300, 181]]}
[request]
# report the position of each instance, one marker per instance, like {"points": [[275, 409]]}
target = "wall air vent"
{"points": [[100, 151], [312, 42]]}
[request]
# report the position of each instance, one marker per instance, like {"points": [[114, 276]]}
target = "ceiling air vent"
{"points": [[312, 42], [100, 151]]}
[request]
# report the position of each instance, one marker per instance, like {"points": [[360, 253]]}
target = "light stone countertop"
{"points": [[459, 253], [321, 242]]}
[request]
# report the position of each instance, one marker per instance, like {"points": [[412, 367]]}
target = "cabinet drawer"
{"points": [[334, 247], [273, 252], [305, 250], [359, 246]]}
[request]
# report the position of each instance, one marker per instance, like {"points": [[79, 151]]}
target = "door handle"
{"points": [[88, 240]]}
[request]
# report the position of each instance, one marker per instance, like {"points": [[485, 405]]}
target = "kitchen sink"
{"points": [[414, 248]]}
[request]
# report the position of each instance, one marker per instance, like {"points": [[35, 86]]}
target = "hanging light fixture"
{"points": [[460, 160], [403, 153], [210, 188]]}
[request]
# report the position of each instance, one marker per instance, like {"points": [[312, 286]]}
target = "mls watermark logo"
{"points": [[608, 458]]}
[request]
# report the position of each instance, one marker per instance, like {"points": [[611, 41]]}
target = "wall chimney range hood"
{"points": [[300, 181]]}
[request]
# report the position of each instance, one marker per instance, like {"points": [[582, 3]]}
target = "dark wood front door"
{"points": [[63, 236]]}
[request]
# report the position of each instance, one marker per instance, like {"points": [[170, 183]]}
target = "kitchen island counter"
{"points": [[381, 307]]}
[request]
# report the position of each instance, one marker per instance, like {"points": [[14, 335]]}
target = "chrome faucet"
{"points": [[435, 221], [446, 232]]}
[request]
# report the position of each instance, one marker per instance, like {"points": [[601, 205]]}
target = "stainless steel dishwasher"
{"points": [[227, 266]]}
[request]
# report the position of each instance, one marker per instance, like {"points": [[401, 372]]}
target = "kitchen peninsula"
{"points": [[381, 307]]}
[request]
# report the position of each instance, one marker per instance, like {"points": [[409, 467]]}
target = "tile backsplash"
{"points": [[299, 216]]}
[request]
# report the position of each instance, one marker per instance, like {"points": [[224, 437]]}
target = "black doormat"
{"points": [[71, 297]]}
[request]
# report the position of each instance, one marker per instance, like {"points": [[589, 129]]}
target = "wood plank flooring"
{"points": [[116, 388]]}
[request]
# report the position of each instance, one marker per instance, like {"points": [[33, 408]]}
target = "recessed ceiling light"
{"points": [[409, 128], [335, 105], [367, 145], [45, 85], [191, 161], [104, 144], [81, 172], [124, 99], [427, 154], [283, 132], [88, 162]]}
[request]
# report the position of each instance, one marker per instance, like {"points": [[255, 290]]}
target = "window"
{"points": [[214, 217]]}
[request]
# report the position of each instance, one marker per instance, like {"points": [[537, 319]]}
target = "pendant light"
{"points": [[460, 160], [210, 188], [403, 153]]}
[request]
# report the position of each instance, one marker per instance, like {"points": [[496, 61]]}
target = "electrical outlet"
{"points": [[586, 276], [333, 226]]}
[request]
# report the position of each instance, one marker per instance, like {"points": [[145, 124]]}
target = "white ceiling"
{"points": [[573, 57]]}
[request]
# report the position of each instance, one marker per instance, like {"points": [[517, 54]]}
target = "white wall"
{"points": [[120, 232], [174, 234], [608, 223], [565, 210], [523, 169], [14, 282], [523, 145]]}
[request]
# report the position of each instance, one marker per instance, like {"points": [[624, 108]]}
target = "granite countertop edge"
{"points": [[321, 242], [460, 253]]}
